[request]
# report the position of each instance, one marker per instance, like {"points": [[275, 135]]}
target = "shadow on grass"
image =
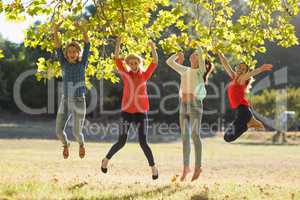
{"points": [[8, 193], [200, 197], [167, 190], [264, 144], [77, 186]]}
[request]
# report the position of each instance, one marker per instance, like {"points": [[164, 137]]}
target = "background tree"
{"points": [[265, 102], [240, 31], [17, 59], [130, 19]]}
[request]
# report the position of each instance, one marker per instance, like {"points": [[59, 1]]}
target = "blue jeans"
{"points": [[190, 116], [74, 107]]}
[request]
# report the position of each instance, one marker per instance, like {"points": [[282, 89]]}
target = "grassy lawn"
{"points": [[35, 169]]}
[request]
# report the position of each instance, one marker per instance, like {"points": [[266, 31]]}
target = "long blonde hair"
{"points": [[201, 57]]}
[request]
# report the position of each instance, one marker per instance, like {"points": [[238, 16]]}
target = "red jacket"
{"points": [[135, 98]]}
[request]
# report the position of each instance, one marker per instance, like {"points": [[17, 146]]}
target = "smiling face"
{"points": [[72, 54], [133, 63], [241, 69], [194, 60]]}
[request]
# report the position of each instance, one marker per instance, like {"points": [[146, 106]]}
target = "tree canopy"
{"points": [[240, 31]]}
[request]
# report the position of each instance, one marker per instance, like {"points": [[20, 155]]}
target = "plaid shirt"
{"points": [[73, 74]]}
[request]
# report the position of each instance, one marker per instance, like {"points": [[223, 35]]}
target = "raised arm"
{"points": [[55, 27], [153, 52], [148, 73], [118, 48], [176, 66], [83, 30], [226, 65], [209, 70], [247, 76], [119, 62], [86, 49], [179, 58], [57, 42]]}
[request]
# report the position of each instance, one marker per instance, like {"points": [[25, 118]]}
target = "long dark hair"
{"points": [[250, 80], [209, 67]]}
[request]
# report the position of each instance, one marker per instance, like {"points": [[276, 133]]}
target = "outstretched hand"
{"points": [[215, 44], [266, 67], [77, 24], [56, 25], [153, 50], [80, 26], [179, 57], [118, 40], [151, 44]]}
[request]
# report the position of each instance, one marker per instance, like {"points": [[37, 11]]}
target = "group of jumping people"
{"points": [[135, 103]]}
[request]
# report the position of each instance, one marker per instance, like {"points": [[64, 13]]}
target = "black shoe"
{"points": [[154, 177], [104, 170]]}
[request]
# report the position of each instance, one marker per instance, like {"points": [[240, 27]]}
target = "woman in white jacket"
{"points": [[192, 92]]}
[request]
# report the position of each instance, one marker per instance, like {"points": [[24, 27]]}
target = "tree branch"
{"points": [[101, 15], [122, 14], [54, 11]]}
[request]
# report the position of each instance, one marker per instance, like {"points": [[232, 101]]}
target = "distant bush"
{"points": [[265, 103]]}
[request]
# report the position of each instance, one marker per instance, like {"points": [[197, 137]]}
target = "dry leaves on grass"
{"points": [[174, 178], [77, 186]]}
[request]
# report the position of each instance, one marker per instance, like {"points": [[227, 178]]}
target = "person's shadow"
{"points": [[199, 197], [264, 144], [166, 190]]}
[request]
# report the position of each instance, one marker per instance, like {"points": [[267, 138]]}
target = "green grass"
{"points": [[34, 169]]}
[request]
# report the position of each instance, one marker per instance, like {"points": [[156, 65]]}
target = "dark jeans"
{"points": [[239, 125], [141, 121]]}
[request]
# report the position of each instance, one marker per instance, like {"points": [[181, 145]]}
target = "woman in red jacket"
{"points": [[236, 91], [135, 103]]}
